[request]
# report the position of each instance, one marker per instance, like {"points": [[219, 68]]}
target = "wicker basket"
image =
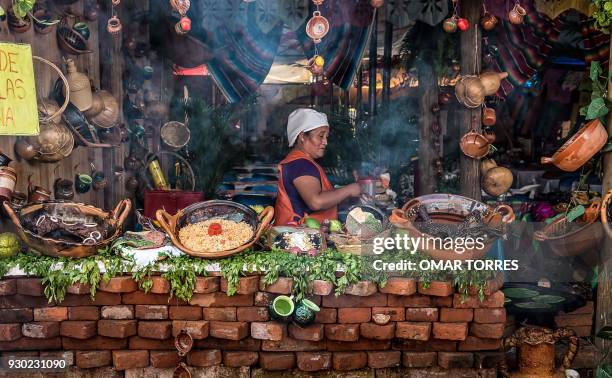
{"points": [[57, 248], [201, 211]]}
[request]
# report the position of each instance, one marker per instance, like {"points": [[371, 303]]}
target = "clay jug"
{"points": [[491, 81], [536, 352], [80, 88]]}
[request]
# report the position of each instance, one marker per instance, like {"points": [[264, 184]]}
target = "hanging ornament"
{"points": [[181, 6], [317, 27], [450, 24], [183, 26], [377, 3], [116, 2], [317, 2], [316, 64], [463, 24], [516, 15], [487, 21], [113, 26]]}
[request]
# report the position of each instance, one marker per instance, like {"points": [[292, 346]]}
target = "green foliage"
{"points": [[603, 15], [21, 8], [599, 105]]}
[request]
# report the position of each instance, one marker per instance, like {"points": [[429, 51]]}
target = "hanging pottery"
{"points": [[470, 92], [488, 21], [463, 24], [113, 26], [474, 145], [377, 3], [317, 2], [183, 26], [316, 64], [450, 25], [516, 15], [489, 134], [80, 87], [488, 116], [317, 27], [181, 6]]}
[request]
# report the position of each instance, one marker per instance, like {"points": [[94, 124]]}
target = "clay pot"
{"points": [[80, 87], [450, 25], [474, 145], [8, 178], [42, 25], [109, 116], [132, 184], [97, 105], [516, 15], [63, 189], [488, 22], [377, 3], [486, 165], [444, 98], [490, 135], [488, 116], [491, 81], [497, 181], [183, 342], [581, 147], [38, 195], [181, 371], [317, 27], [17, 24], [25, 149]]}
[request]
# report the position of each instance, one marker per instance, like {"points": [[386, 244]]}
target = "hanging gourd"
{"points": [[454, 22], [182, 7], [316, 64]]}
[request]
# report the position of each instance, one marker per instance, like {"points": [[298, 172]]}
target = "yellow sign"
{"points": [[18, 108]]}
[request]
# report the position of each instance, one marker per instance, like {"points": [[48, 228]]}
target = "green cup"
{"points": [[305, 312], [281, 308], [82, 183]]}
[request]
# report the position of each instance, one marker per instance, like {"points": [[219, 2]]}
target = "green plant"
{"points": [[603, 15], [599, 105], [20, 8]]}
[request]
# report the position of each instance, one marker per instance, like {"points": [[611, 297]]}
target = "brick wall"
{"points": [[124, 328]]}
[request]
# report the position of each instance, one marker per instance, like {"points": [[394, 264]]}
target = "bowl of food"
{"points": [[214, 229]]}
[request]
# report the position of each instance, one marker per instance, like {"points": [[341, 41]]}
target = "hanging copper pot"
{"points": [[317, 27], [490, 135], [488, 21], [488, 116], [474, 145], [516, 14], [377, 3]]}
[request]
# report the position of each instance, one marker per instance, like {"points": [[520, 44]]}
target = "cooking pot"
{"points": [[317, 27], [474, 145]]}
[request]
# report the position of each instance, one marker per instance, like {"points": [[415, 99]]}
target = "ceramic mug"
{"points": [[63, 189], [82, 183], [82, 29], [281, 308], [305, 312], [39, 194], [99, 180]]}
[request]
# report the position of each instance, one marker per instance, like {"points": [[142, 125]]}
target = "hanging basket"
{"points": [[46, 118]]}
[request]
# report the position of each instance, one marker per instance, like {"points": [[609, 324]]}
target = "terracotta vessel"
{"points": [[181, 371], [474, 145], [317, 27], [17, 24], [38, 194], [536, 352], [109, 116], [488, 116], [485, 165], [488, 22], [516, 15], [8, 178], [450, 25], [80, 87], [377, 3], [183, 342], [63, 189], [491, 81], [581, 147], [25, 149], [490, 135]]}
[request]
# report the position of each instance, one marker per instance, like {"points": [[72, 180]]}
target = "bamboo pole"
{"points": [[372, 68]]}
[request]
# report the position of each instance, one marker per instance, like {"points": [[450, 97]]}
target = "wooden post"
{"points": [[388, 42], [469, 175], [428, 96], [604, 289], [372, 68]]}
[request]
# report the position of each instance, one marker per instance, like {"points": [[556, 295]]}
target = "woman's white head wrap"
{"points": [[303, 120]]}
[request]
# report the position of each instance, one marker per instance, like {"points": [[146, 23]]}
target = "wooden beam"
{"points": [[469, 175], [428, 96], [359, 99], [386, 76], [372, 68]]}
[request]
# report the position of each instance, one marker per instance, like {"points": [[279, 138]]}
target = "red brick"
{"points": [[40, 330], [238, 359], [79, 289], [93, 358], [137, 342], [490, 315], [130, 359], [139, 297], [488, 331], [321, 287], [456, 315], [8, 287], [472, 343], [437, 288], [185, 313], [268, 330], [399, 286], [160, 285], [16, 315], [419, 359], [27, 343], [117, 312], [102, 298], [248, 344], [282, 286], [224, 314], [30, 286], [247, 285], [10, 331], [409, 301], [361, 288], [79, 329], [442, 301], [154, 329], [441, 345], [344, 361], [450, 331], [574, 320], [491, 286], [263, 299], [219, 299], [229, 330], [362, 344], [83, 313], [377, 332], [384, 359], [94, 343], [342, 332], [277, 361], [455, 360], [204, 358], [495, 300], [124, 284], [397, 314], [289, 344], [413, 330], [312, 332], [431, 345], [198, 329], [423, 314], [343, 301], [50, 314], [63, 355], [314, 361], [326, 315], [151, 312], [586, 309], [23, 301], [252, 314], [117, 328], [354, 315], [205, 285], [164, 359]]}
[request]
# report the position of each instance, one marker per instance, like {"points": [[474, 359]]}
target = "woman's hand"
{"points": [[354, 189]]}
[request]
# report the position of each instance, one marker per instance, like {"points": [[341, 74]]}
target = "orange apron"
{"points": [[283, 210]]}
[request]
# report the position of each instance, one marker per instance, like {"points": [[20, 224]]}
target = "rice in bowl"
{"points": [[197, 236]]}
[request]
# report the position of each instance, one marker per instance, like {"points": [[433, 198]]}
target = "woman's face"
{"points": [[315, 141]]}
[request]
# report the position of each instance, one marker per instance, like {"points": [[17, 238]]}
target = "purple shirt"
{"points": [[291, 171]]}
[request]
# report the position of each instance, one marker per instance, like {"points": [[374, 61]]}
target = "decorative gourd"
{"points": [[487, 164], [497, 181], [80, 87], [491, 81]]}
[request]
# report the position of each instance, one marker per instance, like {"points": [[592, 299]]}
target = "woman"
{"points": [[303, 188]]}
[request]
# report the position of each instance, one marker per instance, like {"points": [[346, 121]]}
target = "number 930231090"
{"points": [[35, 363]]}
